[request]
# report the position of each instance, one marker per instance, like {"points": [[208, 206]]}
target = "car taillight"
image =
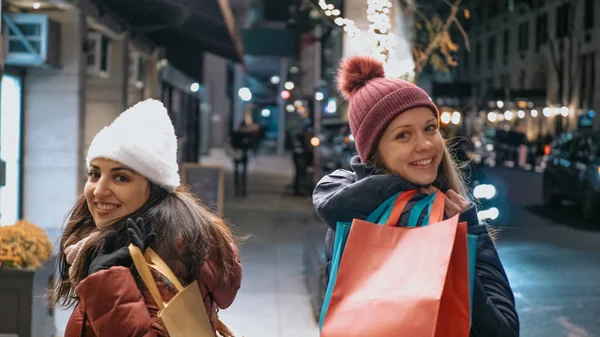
{"points": [[547, 150]]}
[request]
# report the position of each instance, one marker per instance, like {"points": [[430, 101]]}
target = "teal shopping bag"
{"points": [[413, 219], [341, 235]]}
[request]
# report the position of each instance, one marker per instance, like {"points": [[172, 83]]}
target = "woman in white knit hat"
{"points": [[133, 195]]}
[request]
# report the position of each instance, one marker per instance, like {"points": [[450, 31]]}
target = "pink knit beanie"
{"points": [[374, 101]]}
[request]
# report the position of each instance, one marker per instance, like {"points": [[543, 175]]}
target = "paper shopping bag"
{"points": [[341, 236], [184, 315], [427, 203], [400, 281]]}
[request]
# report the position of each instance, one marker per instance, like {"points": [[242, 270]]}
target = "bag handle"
{"points": [[381, 210], [435, 210], [396, 210], [142, 267], [417, 209], [157, 263]]}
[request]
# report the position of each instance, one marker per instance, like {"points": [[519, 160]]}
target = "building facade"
{"points": [[533, 64], [71, 67]]}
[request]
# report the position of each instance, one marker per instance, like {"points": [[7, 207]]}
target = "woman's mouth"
{"points": [[105, 208], [422, 163]]}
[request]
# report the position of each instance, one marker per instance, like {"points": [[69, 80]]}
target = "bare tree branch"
{"points": [[422, 16], [328, 21], [420, 63], [463, 33]]}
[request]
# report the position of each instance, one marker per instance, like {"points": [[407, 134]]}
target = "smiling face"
{"points": [[114, 191], [412, 146]]}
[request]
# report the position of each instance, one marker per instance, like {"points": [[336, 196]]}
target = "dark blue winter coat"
{"points": [[345, 195]]}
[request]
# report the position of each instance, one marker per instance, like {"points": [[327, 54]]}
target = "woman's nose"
{"points": [[102, 188], [424, 144]]}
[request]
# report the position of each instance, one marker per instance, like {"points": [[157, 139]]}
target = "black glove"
{"points": [[139, 234], [111, 257]]}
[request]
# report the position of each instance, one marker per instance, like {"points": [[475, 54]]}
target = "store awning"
{"points": [[185, 28]]}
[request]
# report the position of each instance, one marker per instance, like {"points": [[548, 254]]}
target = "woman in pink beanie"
{"points": [[396, 130]]}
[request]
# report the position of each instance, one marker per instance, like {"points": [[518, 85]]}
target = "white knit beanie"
{"points": [[143, 139]]}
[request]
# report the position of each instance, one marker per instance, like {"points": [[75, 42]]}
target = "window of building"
{"points": [[465, 63], [562, 21], [506, 46], [587, 80], [478, 11], [588, 20], [505, 80], [491, 83], [523, 79], [523, 36], [541, 32], [493, 9], [583, 81], [491, 51], [477, 56], [10, 149], [592, 81]]}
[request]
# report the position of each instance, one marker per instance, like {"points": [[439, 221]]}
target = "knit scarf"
{"points": [[74, 252]]}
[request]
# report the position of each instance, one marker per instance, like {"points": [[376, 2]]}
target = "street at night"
{"points": [[293, 168], [552, 258]]}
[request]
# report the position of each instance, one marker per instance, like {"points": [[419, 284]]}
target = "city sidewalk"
{"points": [[273, 300]]}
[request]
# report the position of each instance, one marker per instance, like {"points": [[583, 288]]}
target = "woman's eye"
{"points": [[430, 128], [93, 175], [122, 179], [402, 135]]}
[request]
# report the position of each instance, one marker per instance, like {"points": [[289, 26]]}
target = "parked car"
{"points": [[511, 146], [573, 172], [337, 145]]}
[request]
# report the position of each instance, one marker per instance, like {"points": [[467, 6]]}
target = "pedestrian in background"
{"points": [[303, 158], [396, 129], [133, 195], [241, 143]]}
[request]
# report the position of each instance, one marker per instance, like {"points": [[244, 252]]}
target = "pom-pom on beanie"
{"points": [[143, 139], [374, 101]]}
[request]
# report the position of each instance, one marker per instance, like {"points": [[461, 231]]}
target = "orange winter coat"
{"points": [[112, 305]]}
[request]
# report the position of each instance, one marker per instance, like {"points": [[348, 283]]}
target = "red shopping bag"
{"points": [[401, 281]]}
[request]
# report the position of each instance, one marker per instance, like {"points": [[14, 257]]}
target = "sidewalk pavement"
{"points": [[273, 300]]}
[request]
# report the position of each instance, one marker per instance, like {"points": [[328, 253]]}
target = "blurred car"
{"points": [[484, 149], [573, 172], [489, 192], [336, 146]]}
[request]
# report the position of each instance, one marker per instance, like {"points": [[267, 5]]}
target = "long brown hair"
{"points": [[176, 218]]}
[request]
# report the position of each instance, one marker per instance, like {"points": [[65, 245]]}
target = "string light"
{"points": [[380, 26], [347, 24]]}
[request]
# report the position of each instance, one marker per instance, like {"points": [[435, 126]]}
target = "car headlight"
{"points": [[484, 191], [489, 214], [489, 147]]}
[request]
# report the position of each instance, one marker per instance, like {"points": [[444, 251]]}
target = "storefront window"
{"points": [[10, 148]]}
